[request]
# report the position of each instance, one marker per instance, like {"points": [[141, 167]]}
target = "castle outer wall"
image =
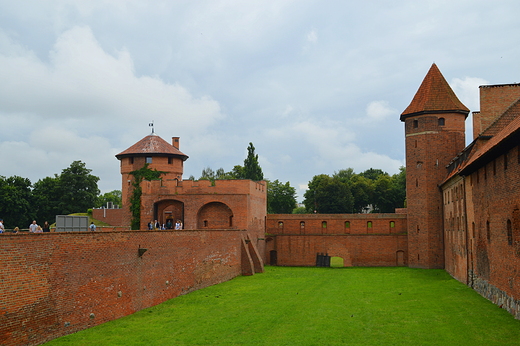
{"points": [[53, 284]]}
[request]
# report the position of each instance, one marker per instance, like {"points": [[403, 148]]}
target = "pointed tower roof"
{"points": [[434, 96], [152, 145]]}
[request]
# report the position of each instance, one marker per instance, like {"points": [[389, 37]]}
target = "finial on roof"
{"points": [[151, 125]]}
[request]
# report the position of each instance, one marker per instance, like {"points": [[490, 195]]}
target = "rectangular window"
{"points": [[148, 159]]}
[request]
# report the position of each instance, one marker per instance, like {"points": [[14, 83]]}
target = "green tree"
{"points": [[281, 198], [383, 200], [299, 210], [46, 199], [399, 188], [15, 201], [252, 169], [113, 196], [328, 195], [238, 172], [362, 191], [373, 173], [345, 175], [79, 189]]}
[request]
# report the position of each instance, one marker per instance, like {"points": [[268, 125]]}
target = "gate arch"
{"points": [[169, 211]]}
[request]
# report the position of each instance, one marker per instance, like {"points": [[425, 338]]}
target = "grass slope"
{"points": [[317, 306]]}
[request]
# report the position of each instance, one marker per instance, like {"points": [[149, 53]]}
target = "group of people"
{"points": [[33, 227], [155, 225]]}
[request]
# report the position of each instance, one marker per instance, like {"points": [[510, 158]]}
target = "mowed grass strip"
{"points": [[317, 306]]}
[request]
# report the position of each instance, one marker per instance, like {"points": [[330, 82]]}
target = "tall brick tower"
{"points": [[434, 129]]}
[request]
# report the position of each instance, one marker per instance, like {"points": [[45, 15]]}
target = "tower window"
{"points": [[131, 159], [170, 160], [441, 122], [415, 124], [148, 159]]}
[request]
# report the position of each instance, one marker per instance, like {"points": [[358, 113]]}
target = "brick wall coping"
{"points": [[337, 216]]}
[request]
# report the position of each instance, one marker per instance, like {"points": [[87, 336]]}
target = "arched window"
{"points": [[392, 224], [324, 224], [280, 224], [369, 224], [347, 224], [302, 224], [441, 121]]}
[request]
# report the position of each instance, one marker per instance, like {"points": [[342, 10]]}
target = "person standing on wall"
{"points": [[46, 227], [33, 227]]}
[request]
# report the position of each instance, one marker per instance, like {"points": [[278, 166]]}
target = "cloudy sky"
{"points": [[316, 86]]}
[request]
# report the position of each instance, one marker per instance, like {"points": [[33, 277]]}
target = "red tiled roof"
{"points": [[152, 145], [434, 96]]}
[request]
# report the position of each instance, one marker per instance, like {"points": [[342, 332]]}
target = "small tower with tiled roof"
{"points": [[158, 154], [435, 134]]}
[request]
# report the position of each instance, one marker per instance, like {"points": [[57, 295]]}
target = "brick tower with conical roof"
{"points": [[435, 134], [158, 154]]}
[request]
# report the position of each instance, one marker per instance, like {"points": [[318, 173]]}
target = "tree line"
{"points": [[347, 192], [344, 192], [74, 190]]}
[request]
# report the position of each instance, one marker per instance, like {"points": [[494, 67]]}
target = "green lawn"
{"points": [[317, 306]]}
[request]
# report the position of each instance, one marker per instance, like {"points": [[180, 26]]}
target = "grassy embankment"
{"points": [[317, 306]]}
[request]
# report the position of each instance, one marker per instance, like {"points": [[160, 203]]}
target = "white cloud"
{"points": [[379, 110], [85, 104], [312, 36]]}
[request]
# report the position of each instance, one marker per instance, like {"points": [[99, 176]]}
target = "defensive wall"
{"points": [[53, 284], [359, 239]]}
